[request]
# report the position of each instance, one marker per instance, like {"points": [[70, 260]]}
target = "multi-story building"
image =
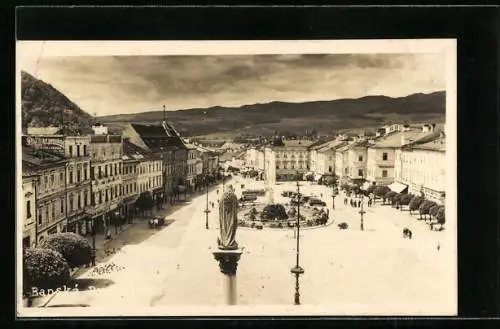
{"points": [[106, 173], [356, 161], [382, 153], [341, 161], [163, 140], [323, 158], [130, 192], [28, 207], [50, 189], [77, 183], [421, 166], [254, 158], [192, 154], [292, 158]]}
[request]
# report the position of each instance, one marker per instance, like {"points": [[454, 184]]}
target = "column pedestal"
{"points": [[228, 263]]}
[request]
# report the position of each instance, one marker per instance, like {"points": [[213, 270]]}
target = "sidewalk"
{"points": [[101, 243]]}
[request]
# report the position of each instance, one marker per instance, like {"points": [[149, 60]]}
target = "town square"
{"points": [[337, 202]]}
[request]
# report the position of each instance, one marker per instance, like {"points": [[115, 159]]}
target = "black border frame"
{"points": [[475, 27]]}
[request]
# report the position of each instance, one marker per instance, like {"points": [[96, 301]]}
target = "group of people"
{"points": [[356, 203]]}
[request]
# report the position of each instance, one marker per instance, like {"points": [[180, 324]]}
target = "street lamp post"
{"points": [[333, 195], [297, 270], [207, 211], [362, 212], [93, 241]]}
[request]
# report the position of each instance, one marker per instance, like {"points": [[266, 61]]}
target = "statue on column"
{"points": [[228, 220]]}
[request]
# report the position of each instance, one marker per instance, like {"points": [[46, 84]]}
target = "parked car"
{"points": [[317, 202]]}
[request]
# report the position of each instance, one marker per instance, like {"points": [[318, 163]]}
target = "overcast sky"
{"points": [[131, 84]]}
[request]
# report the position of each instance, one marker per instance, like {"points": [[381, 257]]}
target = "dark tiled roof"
{"points": [[155, 137], [130, 150]]}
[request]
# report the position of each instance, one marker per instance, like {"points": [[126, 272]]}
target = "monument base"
{"points": [[228, 263]]}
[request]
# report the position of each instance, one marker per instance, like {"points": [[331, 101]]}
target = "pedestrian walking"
{"points": [[359, 203], [155, 223]]}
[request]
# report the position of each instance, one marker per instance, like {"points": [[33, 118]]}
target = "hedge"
{"points": [[425, 206], [390, 195], [405, 199], [44, 269], [75, 249]]}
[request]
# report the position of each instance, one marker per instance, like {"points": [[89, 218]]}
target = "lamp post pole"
{"points": [[207, 211], [93, 241], [362, 212], [333, 195], [297, 270]]}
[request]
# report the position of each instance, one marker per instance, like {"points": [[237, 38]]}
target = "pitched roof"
{"points": [[394, 140], [135, 152], [158, 137]]}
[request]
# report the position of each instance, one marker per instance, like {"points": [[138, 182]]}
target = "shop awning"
{"points": [[397, 187]]}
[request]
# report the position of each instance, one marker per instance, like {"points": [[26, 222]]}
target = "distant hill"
{"points": [[43, 105], [322, 116]]}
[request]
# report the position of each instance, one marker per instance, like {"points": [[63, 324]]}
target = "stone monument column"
{"points": [[228, 253], [269, 174]]}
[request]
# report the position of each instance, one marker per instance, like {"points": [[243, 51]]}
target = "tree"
{"points": [[424, 207], [381, 191], [405, 199], [371, 189], [75, 249], [389, 196], [397, 199], [44, 269], [415, 203], [440, 215], [145, 201], [273, 211], [433, 210]]}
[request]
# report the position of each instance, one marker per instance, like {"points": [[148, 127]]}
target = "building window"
{"points": [[92, 174], [330, 169], [100, 196], [79, 201], [78, 176], [71, 150], [360, 158], [78, 150], [384, 156], [70, 172], [40, 218], [105, 170], [62, 205], [28, 209], [53, 211], [384, 173], [85, 196], [85, 150], [360, 172], [71, 202], [61, 177], [106, 197], [47, 213]]}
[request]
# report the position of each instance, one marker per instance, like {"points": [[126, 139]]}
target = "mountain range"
{"points": [[44, 105], [321, 116]]}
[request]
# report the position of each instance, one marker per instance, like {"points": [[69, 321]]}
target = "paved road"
{"points": [[375, 270]]}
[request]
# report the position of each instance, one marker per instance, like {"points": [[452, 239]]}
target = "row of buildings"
{"points": [[402, 157], [71, 183]]}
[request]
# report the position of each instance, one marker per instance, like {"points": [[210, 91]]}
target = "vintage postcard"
{"points": [[236, 178]]}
